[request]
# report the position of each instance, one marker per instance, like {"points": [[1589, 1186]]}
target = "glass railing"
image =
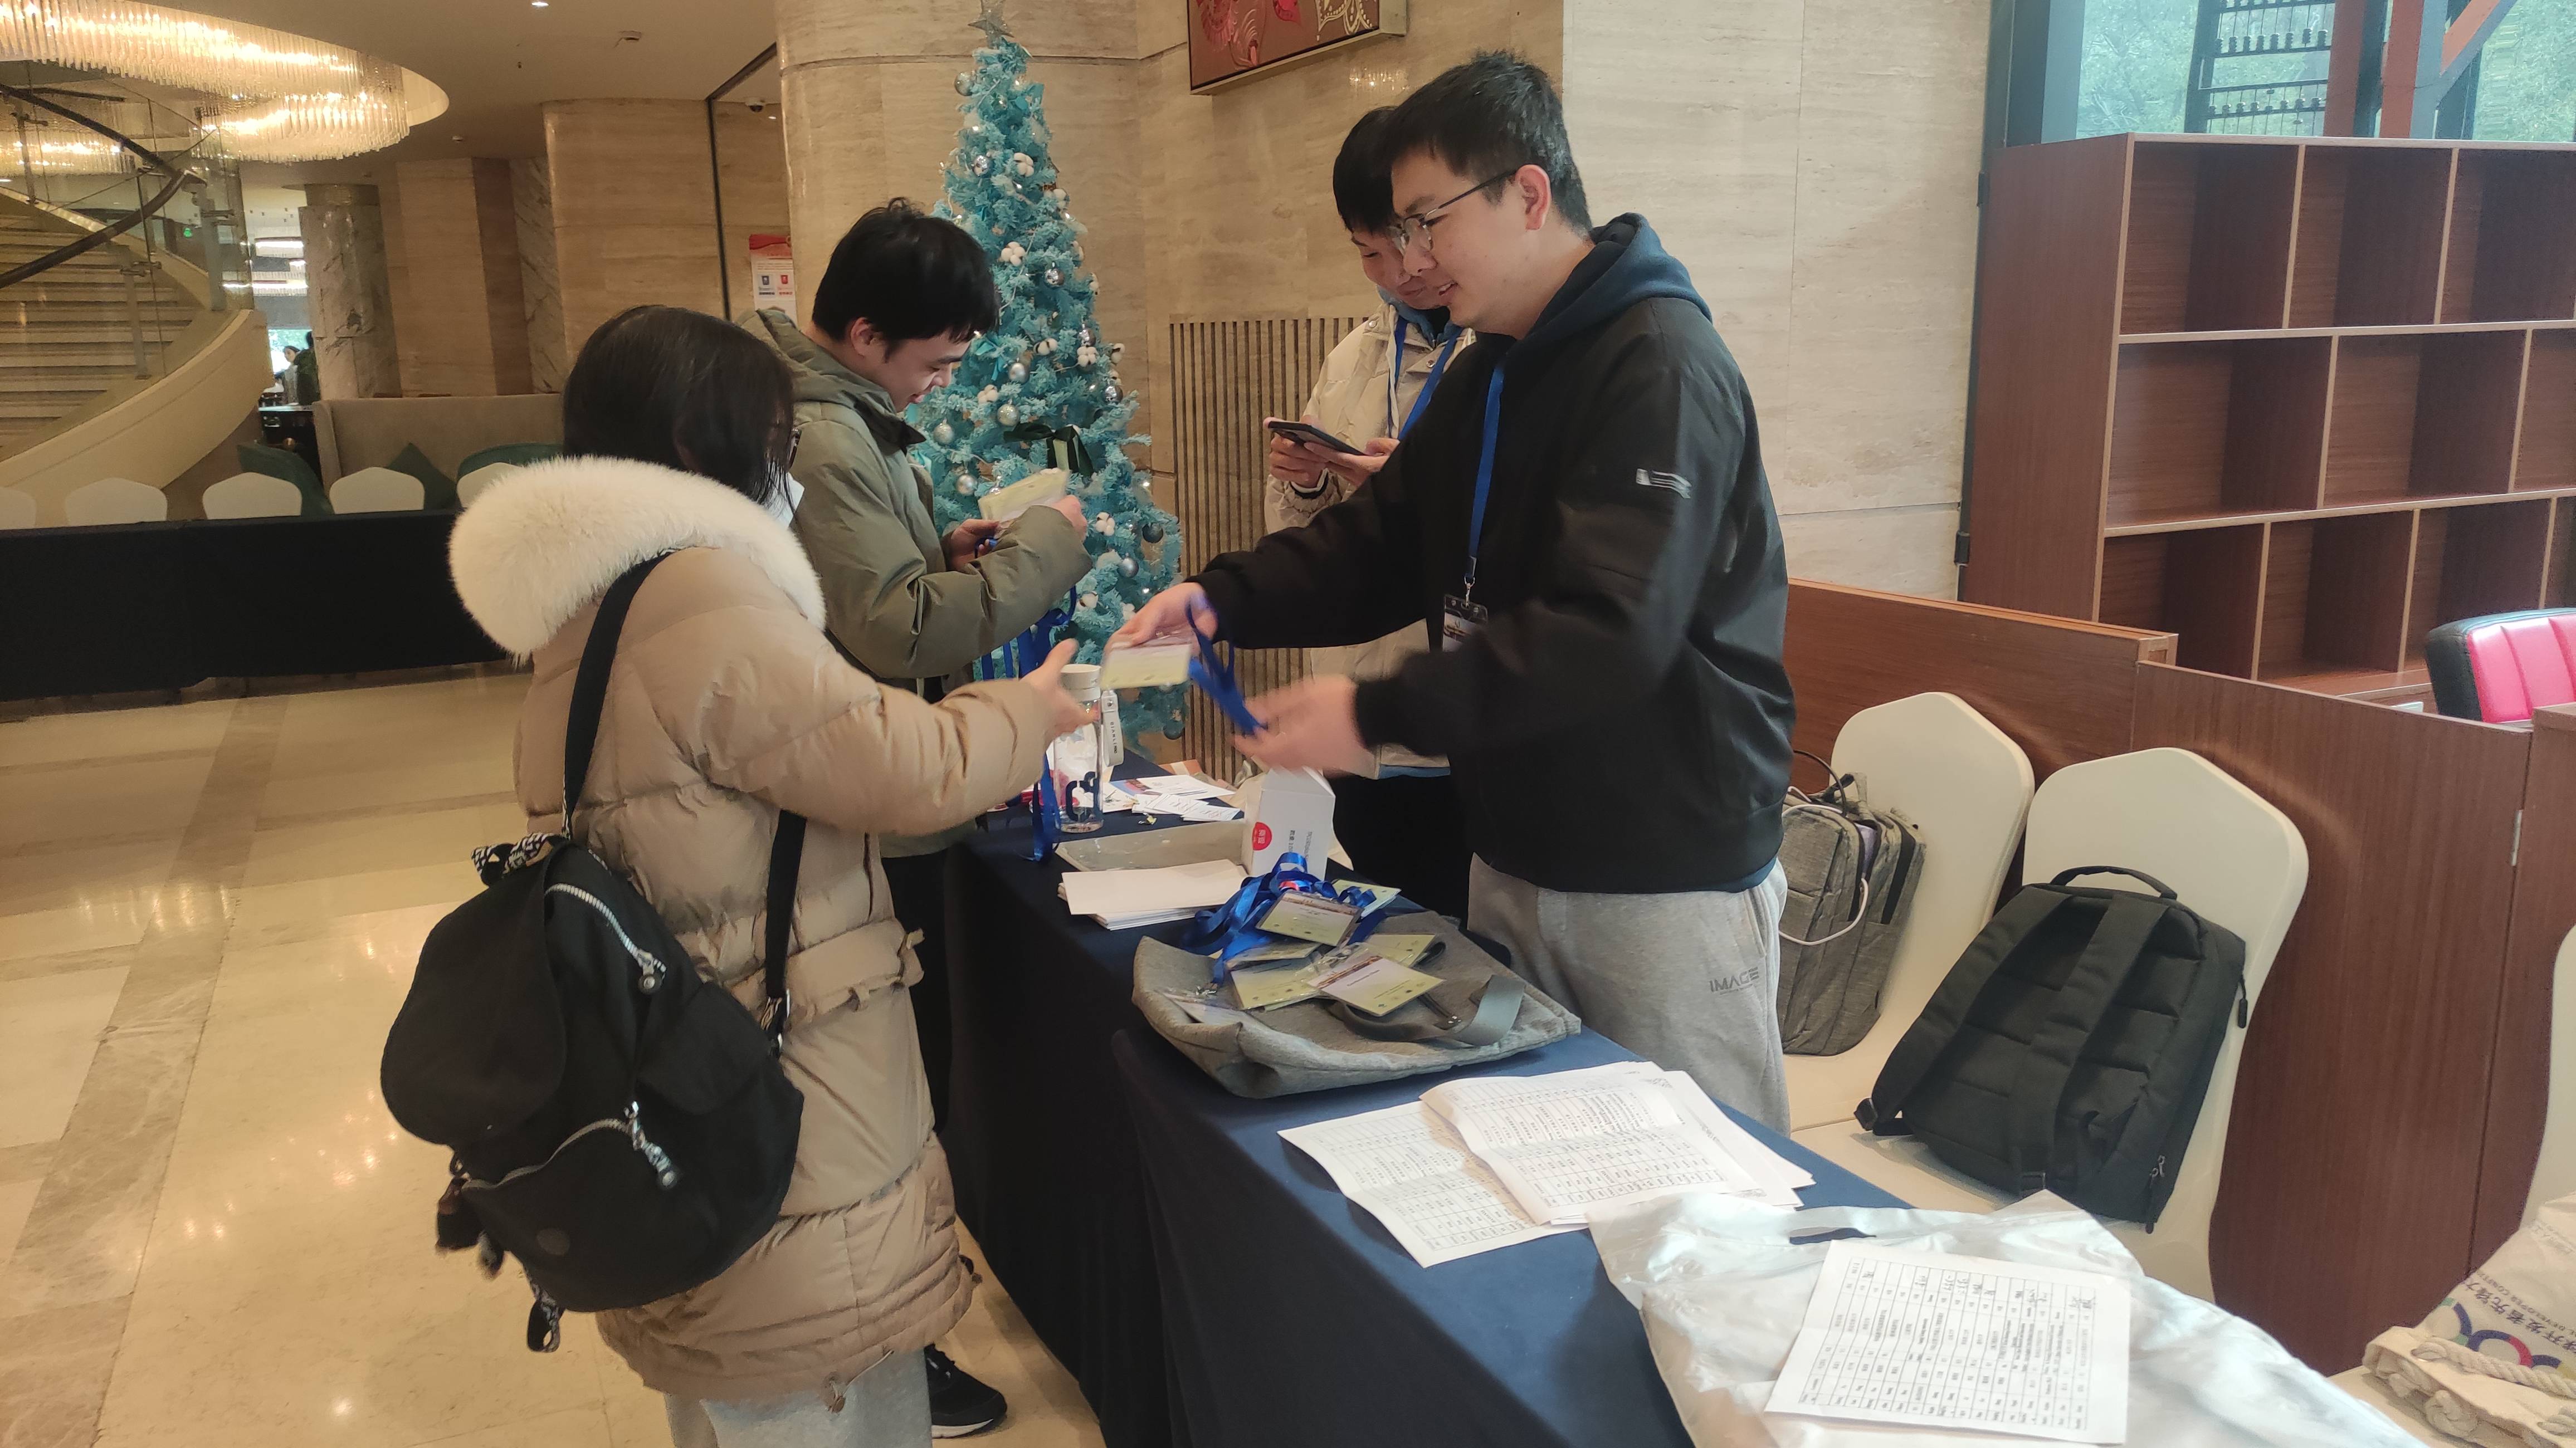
{"points": [[82, 328]]}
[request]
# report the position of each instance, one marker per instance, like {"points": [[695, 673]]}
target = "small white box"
{"points": [[1287, 812]]}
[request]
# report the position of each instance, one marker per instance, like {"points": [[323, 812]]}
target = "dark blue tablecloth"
{"points": [[1159, 1327], [1037, 1135], [1292, 1318]]}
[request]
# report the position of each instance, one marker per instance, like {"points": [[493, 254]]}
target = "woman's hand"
{"points": [[1063, 715], [1294, 463], [966, 540]]}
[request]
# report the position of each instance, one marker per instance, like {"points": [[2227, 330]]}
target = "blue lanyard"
{"points": [[1484, 475], [1395, 375]]}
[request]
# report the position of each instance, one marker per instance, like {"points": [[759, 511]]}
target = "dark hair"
{"points": [[1494, 113], [680, 388], [908, 275], [1361, 191]]}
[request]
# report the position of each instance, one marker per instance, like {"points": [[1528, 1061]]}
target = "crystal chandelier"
{"points": [[288, 98]]}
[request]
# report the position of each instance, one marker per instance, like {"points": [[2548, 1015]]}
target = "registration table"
{"points": [[1205, 1282]]}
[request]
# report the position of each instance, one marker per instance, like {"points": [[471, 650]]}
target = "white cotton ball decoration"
{"points": [[1105, 524], [1085, 356], [1091, 600], [988, 394], [1126, 610], [1046, 346], [1014, 254], [1022, 164]]}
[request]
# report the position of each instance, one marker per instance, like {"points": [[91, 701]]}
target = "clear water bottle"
{"points": [[1081, 759]]}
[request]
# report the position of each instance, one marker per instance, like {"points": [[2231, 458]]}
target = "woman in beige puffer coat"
{"points": [[728, 704]]}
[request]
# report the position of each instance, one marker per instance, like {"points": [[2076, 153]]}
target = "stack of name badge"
{"points": [[1315, 958], [1037, 490]]}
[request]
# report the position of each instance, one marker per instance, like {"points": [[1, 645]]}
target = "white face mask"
{"points": [[784, 494]]}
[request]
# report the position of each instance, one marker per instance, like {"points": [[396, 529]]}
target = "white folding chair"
{"points": [[377, 490], [17, 510], [115, 500], [1966, 787], [253, 495], [471, 486], [2229, 855]]}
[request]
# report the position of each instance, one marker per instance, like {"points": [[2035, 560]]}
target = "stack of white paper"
{"points": [[1122, 899], [1934, 1340], [1485, 1163]]}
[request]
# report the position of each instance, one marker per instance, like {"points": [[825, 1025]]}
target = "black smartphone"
{"points": [[1308, 433]]}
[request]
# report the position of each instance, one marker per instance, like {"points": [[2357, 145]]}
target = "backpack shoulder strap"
{"points": [[1947, 1012], [2128, 920], [786, 853], [590, 684]]}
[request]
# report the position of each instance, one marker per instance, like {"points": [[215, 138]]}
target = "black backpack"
{"points": [[619, 1125], [2070, 1047]]}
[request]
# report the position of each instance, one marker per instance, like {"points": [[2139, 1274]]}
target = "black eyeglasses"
{"points": [[1415, 230]]}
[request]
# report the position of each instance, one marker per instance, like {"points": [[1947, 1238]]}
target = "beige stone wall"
{"points": [[633, 205], [532, 206], [462, 324], [1813, 162]]}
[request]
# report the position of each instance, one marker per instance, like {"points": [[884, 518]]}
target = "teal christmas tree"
{"points": [[1044, 383]]}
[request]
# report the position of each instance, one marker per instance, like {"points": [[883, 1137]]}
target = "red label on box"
{"points": [[1260, 836]]}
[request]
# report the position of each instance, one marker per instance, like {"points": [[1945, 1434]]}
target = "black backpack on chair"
{"points": [[619, 1125], [2071, 1045]]}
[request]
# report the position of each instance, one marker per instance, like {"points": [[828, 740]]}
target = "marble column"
{"points": [[351, 291]]}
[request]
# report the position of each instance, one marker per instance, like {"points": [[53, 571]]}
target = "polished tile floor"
{"points": [[211, 1233]]}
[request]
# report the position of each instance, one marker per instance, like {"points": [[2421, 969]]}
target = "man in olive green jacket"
{"points": [[903, 298]]}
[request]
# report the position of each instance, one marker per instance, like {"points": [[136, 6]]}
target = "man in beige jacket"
{"points": [[903, 298], [1400, 824]]}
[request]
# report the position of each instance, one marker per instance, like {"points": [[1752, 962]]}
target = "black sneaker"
{"points": [[961, 1405]]}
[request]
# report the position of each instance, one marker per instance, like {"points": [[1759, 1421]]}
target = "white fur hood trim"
{"points": [[545, 542]]}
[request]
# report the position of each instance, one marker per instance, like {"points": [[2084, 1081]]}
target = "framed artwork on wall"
{"points": [[1234, 41]]}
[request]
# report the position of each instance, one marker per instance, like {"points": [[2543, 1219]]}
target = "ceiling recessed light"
{"points": [[537, 4]]}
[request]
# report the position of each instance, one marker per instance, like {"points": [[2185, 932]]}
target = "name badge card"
{"points": [[1460, 620], [1374, 985], [1305, 916]]}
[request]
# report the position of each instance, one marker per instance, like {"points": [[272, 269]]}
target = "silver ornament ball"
{"points": [[943, 434], [981, 165], [1006, 414], [1054, 276], [1111, 393], [1019, 372], [965, 83]]}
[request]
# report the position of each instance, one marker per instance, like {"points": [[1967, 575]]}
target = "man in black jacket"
{"points": [[1580, 519]]}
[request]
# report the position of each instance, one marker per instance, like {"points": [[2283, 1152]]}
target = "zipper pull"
{"points": [[649, 971], [2158, 1174], [663, 1172]]}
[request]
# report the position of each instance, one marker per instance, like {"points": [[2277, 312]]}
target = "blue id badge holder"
{"points": [[1460, 619]]}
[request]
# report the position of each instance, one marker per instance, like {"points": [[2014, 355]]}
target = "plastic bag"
{"points": [[1723, 1285]]}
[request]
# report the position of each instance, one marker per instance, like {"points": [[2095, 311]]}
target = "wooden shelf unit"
{"points": [[2297, 400]]}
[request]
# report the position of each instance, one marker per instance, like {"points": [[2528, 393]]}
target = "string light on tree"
{"points": [[1035, 384]]}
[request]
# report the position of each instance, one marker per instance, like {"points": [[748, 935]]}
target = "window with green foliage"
{"points": [[2527, 75], [2263, 66]]}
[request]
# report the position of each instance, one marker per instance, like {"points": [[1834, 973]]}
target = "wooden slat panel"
{"points": [[2544, 910], [1227, 376], [2060, 689], [2354, 1154]]}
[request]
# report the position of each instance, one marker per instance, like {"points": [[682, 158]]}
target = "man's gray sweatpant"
{"points": [[1686, 981]]}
